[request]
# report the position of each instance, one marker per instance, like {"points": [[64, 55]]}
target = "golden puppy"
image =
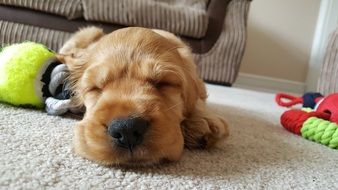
{"points": [[144, 100]]}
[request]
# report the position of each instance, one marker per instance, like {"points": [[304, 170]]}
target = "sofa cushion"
{"points": [[183, 17], [67, 8]]}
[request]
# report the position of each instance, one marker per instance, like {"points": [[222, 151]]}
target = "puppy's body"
{"points": [[137, 73]]}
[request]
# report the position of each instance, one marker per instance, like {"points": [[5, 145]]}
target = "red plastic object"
{"points": [[329, 105]]}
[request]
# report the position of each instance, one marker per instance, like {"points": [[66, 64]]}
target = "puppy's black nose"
{"points": [[128, 132]]}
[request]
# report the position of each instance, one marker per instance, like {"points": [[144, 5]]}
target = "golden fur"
{"points": [[138, 72]]}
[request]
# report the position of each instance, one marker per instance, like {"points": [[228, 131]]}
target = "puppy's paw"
{"points": [[218, 130], [204, 129]]}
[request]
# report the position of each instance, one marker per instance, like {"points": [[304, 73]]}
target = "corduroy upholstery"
{"points": [[221, 63], [11, 32], [184, 17], [68, 8]]}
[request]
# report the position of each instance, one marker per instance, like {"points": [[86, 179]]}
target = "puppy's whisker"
{"points": [[135, 115], [174, 106]]}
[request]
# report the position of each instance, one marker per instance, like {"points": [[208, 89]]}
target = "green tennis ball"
{"points": [[21, 66]]}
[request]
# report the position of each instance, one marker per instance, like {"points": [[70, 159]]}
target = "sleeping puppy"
{"points": [[144, 100]]}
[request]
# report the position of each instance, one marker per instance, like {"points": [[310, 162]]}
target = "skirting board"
{"points": [[268, 84]]}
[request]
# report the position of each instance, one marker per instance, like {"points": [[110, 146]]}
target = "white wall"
{"points": [[280, 36]]}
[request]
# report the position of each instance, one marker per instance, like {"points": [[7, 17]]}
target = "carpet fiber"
{"points": [[36, 153]]}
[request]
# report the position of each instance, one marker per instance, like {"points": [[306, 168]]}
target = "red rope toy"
{"points": [[324, 107], [293, 100]]}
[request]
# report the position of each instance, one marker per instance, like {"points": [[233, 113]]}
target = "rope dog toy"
{"points": [[318, 119], [321, 131]]}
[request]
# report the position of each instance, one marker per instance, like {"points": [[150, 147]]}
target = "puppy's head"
{"points": [[137, 90]]}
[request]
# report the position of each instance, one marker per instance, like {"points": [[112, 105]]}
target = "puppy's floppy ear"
{"points": [[194, 88], [201, 128], [82, 39], [75, 54], [75, 48]]}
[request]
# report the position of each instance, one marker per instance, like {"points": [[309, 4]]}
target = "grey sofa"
{"points": [[215, 29]]}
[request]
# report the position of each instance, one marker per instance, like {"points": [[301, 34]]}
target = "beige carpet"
{"points": [[36, 153]]}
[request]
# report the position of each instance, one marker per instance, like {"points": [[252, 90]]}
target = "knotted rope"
{"points": [[321, 131], [293, 120]]}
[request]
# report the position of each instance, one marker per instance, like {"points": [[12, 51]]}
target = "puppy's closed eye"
{"points": [[94, 89], [163, 84]]}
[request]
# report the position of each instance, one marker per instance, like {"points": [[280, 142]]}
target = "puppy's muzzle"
{"points": [[128, 132]]}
